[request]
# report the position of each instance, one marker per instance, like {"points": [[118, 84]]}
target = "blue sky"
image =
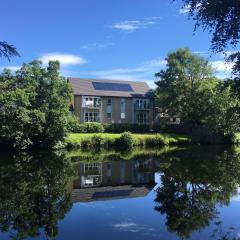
{"points": [[108, 39]]}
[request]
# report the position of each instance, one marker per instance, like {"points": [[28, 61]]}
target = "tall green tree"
{"points": [[221, 19], [188, 87], [34, 103]]}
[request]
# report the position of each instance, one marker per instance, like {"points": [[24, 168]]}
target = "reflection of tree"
{"points": [[33, 194], [192, 185]]}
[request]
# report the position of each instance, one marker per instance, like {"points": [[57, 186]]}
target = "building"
{"points": [[112, 101]]}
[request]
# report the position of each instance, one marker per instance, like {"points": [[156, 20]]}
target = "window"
{"points": [[142, 118], [109, 108], [123, 106], [109, 101], [91, 166], [142, 103], [91, 117]]}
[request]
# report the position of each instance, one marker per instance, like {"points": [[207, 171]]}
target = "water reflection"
{"points": [[112, 180], [193, 185], [37, 190], [33, 194]]}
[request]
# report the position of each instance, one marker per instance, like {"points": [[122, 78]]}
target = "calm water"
{"points": [[147, 194]]}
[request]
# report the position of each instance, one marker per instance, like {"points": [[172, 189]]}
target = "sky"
{"points": [[105, 39]]}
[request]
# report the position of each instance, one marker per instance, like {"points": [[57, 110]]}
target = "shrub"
{"points": [[126, 127], [157, 140], [74, 126], [97, 141], [86, 143], [125, 140], [93, 127]]}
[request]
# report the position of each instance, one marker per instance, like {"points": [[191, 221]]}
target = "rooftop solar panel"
{"points": [[122, 87]]}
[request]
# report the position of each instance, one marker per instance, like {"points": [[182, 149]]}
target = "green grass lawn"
{"points": [[139, 139]]}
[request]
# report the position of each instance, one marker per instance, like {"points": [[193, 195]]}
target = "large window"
{"points": [[142, 117], [109, 108], [91, 117], [142, 103], [123, 106]]}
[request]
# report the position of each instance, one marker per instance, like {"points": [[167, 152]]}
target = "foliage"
{"points": [[157, 140], [34, 103], [221, 19], [35, 194], [125, 140], [7, 50], [92, 127], [187, 87], [113, 140], [127, 127], [97, 141], [74, 125], [88, 127]]}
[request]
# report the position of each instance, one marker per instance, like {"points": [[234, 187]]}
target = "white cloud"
{"points": [[130, 226], [64, 59], [93, 46], [222, 66], [132, 25], [202, 53], [184, 10], [223, 69], [12, 68], [143, 72]]}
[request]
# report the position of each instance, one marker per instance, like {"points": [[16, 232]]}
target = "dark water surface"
{"points": [[167, 193]]}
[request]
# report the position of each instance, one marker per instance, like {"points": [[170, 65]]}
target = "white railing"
{"points": [[91, 104]]}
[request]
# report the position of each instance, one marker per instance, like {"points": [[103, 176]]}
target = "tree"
{"points": [[34, 103], [188, 87], [7, 50], [178, 86], [221, 18]]}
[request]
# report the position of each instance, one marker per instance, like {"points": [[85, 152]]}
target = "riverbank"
{"points": [[105, 140]]}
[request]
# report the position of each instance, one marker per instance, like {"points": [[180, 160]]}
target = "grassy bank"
{"points": [[93, 140]]}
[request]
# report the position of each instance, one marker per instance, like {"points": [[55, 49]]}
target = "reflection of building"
{"points": [[111, 180]]}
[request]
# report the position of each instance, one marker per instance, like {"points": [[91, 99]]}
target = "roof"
{"points": [[110, 193], [109, 88]]}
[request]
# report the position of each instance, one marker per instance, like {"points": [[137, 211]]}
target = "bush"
{"points": [[93, 127], [126, 127], [157, 140], [86, 143], [97, 141], [125, 140], [74, 126]]}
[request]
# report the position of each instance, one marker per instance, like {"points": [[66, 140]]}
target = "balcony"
{"points": [[145, 106], [91, 104]]}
